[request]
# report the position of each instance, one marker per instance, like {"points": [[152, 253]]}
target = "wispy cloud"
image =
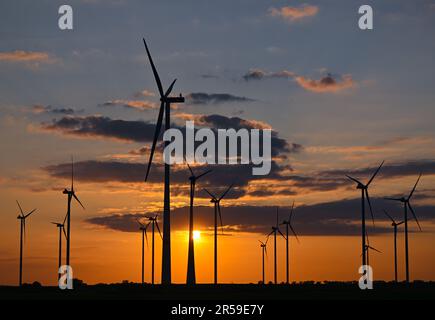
{"points": [[214, 98], [258, 74], [28, 58], [326, 84], [141, 105], [292, 14], [41, 109]]}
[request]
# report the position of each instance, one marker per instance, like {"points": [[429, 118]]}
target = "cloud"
{"points": [[40, 109], [209, 76], [326, 84], [26, 57], [102, 127], [142, 105], [144, 93], [338, 218], [292, 14], [258, 74], [214, 98]]}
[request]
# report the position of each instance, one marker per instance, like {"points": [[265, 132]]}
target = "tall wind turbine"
{"points": [[263, 246], [217, 210], [71, 194], [288, 225], [191, 277], [61, 227], [143, 228], [364, 193], [406, 205], [165, 108], [22, 219], [275, 230], [394, 224]]}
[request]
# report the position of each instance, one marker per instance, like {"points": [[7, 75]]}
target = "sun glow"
{"points": [[196, 235]]}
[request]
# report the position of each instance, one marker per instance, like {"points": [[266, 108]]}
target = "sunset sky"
{"points": [[339, 100]]}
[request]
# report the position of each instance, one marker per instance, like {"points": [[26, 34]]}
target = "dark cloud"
{"points": [[258, 74], [98, 126], [209, 76], [214, 98], [338, 218], [40, 109]]}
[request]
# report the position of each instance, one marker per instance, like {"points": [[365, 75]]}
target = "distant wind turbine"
{"points": [[143, 228], [71, 194], [367, 249], [165, 108], [61, 227], [364, 193], [394, 224], [217, 210], [154, 225], [406, 205], [22, 219], [288, 225], [191, 277], [275, 230], [263, 246]]}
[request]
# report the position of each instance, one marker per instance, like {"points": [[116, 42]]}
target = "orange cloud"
{"points": [[294, 13], [134, 104], [26, 56], [326, 84]]}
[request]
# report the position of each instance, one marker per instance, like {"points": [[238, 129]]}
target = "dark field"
{"points": [[300, 291]]}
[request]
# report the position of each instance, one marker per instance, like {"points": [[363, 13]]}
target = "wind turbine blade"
{"points": [[296, 236], [370, 206], [77, 199], [265, 250], [72, 174], [140, 223], [156, 136], [157, 225], [270, 234], [203, 174], [281, 234], [374, 249], [24, 229], [386, 213], [353, 179], [64, 232], [190, 169], [291, 212], [374, 175], [170, 88], [156, 75], [220, 217], [413, 213], [29, 213], [226, 191], [277, 223], [21, 210], [209, 193], [64, 219], [415, 186]]}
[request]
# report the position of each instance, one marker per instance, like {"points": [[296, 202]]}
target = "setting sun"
{"points": [[196, 235]]}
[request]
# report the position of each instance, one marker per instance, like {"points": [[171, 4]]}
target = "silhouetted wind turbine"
{"points": [[71, 194], [191, 277], [217, 210], [143, 228], [406, 205], [165, 108], [154, 224], [22, 219], [364, 193], [394, 224], [275, 230], [288, 226], [367, 248], [61, 227], [263, 246]]}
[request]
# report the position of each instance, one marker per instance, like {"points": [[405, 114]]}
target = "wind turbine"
{"points": [[154, 224], [191, 277], [367, 248], [288, 225], [406, 205], [22, 219], [263, 246], [165, 108], [71, 194], [275, 230], [217, 210], [143, 228], [61, 227], [394, 224], [364, 193]]}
